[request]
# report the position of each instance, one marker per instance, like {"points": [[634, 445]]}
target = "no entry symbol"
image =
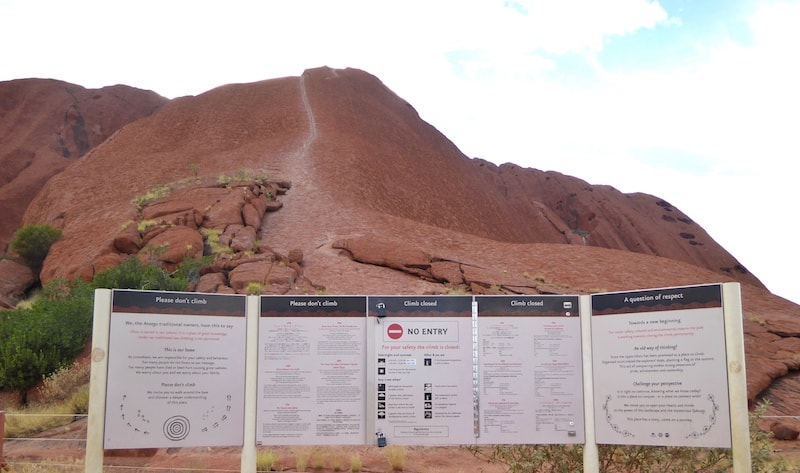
{"points": [[394, 331]]}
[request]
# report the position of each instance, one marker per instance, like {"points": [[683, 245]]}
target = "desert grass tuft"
{"points": [[49, 466], [266, 460], [356, 464], [396, 455], [63, 395], [302, 456], [337, 460]]}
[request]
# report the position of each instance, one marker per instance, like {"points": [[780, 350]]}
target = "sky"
{"points": [[693, 101]]}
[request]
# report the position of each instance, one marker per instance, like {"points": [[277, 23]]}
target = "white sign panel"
{"points": [[311, 373], [530, 370], [423, 369], [176, 367], [660, 368]]}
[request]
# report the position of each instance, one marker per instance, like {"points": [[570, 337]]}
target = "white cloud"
{"points": [[737, 112], [576, 25]]}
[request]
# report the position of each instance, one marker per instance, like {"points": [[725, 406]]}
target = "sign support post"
{"points": [[98, 382], [591, 452], [249, 453], [737, 381]]}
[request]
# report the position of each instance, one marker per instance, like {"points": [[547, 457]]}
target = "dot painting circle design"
{"points": [[176, 428]]}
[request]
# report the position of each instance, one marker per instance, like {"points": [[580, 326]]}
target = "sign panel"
{"points": [[530, 370], [660, 368], [176, 367], [311, 373], [423, 369]]}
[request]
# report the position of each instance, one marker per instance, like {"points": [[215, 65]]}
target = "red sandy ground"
{"points": [[63, 452], [44, 450]]}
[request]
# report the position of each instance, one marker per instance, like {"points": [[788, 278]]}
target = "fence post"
{"points": [[2, 436]]}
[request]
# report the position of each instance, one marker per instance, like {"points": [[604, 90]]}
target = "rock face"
{"points": [[573, 211], [46, 125], [15, 279], [379, 203], [222, 221], [369, 150]]}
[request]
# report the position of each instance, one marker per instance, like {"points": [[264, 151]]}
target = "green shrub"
{"points": [[41, 340], [33, 242], [189, 269], [38, 341], [133, 274], [762, 457]]}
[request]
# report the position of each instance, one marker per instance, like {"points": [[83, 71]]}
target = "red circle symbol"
{"points": [[394, 331]]}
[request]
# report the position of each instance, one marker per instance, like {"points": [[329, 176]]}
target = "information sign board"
{"points": [[530, 370], [311, 370], [423, 370], [175, 370], [660, 368]]}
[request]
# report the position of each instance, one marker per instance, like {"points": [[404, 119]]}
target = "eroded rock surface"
{"points": [[380, 202]]}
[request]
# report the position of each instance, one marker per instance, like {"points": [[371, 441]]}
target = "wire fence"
{"points": [[59, 451], [53, 466]]}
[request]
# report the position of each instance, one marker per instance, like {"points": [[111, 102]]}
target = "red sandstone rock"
{"points": [[264, 273], [447, 271], [384, 253], [281, 274], [151, 231], [246, 273], [784, 431], [228, 211], [370, 177], [295, 256], [174, 245], [129, 240], [15, 279], [106, 261], [210, 282], [260, 204], [274, 206], [47, 125], [244, 239], [251, 215], [297, 269], [227, 235]]}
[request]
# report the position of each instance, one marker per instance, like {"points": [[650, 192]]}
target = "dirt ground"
{"points": [[789, 450], [65, 446]]}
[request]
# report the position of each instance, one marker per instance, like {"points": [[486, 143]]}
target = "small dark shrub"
{"points": [[33, 242]]}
